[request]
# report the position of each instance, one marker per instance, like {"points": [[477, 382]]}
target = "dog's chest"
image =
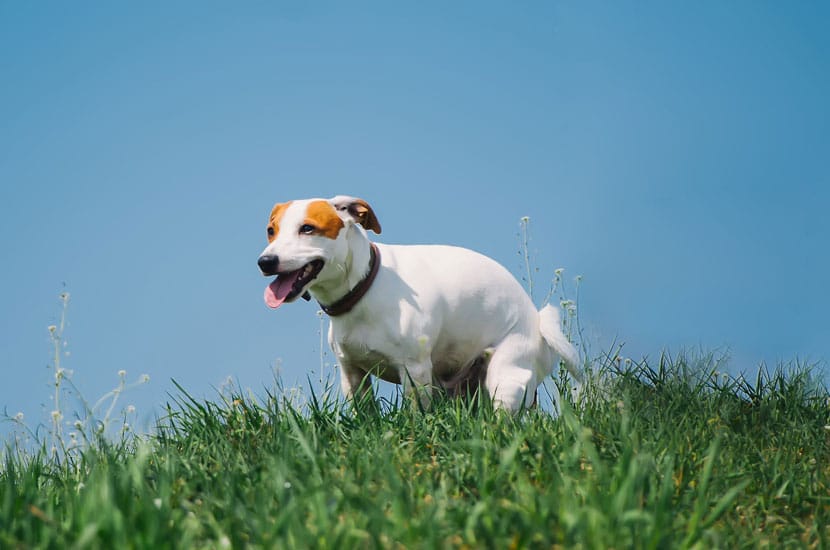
{"points": [[371, 361], [366, 349]]}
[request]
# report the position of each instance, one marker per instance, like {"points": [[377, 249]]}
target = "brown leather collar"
{"points": [[347, 302]]}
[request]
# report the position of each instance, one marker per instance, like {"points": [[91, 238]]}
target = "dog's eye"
{"points": [[270, 231], [307, 229]]}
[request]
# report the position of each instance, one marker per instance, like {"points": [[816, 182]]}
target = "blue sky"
{"points": [[673, 154]]}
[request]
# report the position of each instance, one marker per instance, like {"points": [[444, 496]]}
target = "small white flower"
{"points": [[525, 219], [558, 272], [78, 424], [157, 502], [224, 542], [130, 409], [145, 378], [19, 417], [56, 415], [287, 484], [122, 373]]}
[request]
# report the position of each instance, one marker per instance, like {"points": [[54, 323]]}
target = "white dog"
{"points": [[419, 315]]}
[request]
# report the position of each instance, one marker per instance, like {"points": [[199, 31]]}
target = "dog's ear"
{"points": [[358, 210]]}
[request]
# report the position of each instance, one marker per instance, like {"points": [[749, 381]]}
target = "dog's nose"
{"points": [[268, 264]]}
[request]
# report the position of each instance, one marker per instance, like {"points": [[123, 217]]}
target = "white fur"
{"points": [[431, 312]]}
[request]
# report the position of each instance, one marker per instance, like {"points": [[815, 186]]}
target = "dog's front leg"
{"points": [[355, 384], [417, 383]]}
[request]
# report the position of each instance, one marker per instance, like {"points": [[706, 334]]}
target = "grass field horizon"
{"points": [[674, 454]]}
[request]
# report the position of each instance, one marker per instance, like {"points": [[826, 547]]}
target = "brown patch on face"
{"points": [[323, 217], [274, 221]]}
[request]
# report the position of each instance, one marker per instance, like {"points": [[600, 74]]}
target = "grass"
{"points": [[672, 454]]}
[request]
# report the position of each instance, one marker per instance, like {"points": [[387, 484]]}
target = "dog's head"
{"points": [[308, 243]]}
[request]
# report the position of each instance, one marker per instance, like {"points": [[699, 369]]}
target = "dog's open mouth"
{"points": [[287, 286]]}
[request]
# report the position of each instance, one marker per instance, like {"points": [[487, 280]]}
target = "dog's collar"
{"points": [[347, 302]]}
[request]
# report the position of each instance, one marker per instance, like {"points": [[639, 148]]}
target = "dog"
{"points": [[423, 316]]}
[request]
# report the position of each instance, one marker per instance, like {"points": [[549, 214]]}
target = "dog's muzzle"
{"points": [[288, 284], [268, 264]]}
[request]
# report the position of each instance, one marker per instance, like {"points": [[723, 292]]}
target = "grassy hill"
{"points": [[668, 455]]}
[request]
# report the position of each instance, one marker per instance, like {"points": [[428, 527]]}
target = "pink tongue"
{"points": [[278, 290]]}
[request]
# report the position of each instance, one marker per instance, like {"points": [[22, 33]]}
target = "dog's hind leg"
{"points": [[511, 376]]}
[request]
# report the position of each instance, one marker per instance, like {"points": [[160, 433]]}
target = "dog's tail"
{"points": [[549, 326]]}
